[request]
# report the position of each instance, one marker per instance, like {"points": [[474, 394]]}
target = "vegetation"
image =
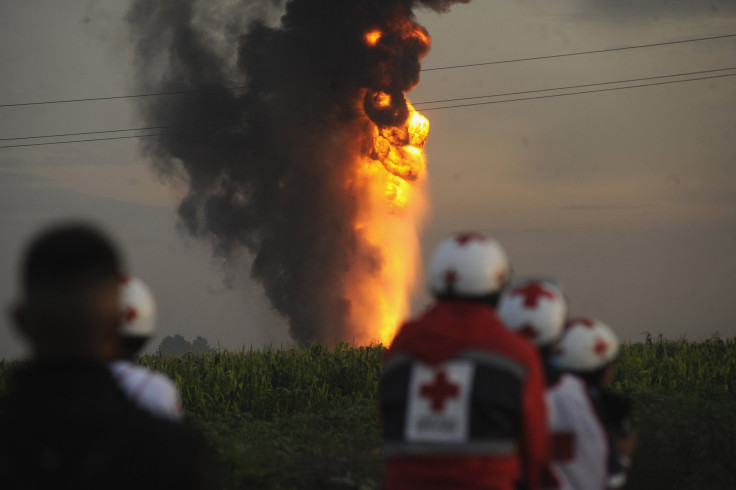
{"points": [[685, 400], [307, 418], [179, 345], [292, 418], [274, 383], [707, 367]]}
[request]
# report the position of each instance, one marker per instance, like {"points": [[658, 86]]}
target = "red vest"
{"points": [[462, 400]]}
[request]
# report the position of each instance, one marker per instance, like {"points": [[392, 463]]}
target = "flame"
{"points": [[391, 186], [372, 37], [388, 183], [382, 99], [399, 149], [391, 212]]}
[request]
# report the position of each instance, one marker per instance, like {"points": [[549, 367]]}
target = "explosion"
{"points": [[319, 175]]}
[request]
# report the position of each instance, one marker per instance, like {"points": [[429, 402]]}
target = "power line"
{"points": [[571, 87], [470, 65], [89, 99], [236, 122], [147, 128], [356, 116], [609, 89], [578, 53]]}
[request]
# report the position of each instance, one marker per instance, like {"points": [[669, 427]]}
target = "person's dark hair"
{"points": [[68, 256], [70, 278]]}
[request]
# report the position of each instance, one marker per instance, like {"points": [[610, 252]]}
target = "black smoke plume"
{"points": [[266, 164]]}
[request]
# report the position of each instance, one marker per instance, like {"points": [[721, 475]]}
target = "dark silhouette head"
{"points": [[70, 294]]}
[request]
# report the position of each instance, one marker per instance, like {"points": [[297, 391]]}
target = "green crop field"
{"points": [[307, 418]]}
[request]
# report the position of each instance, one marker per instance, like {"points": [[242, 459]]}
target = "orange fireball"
{"points": [[372, 37]]}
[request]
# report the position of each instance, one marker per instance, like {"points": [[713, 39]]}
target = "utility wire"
{"points": [[578, 53], [88, 99], [571, 87], [609, 89], [361, 113], [488, 63], [356, 116], [147, 128]]}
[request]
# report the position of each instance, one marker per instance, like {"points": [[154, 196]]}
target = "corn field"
{"points": [[678, 366], [307, 417], [272, 383], [267, 384]]}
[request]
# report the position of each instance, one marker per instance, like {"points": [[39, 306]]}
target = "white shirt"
{"points": [[149, 390], [579, 439]]}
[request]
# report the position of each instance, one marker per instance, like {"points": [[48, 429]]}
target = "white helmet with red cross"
{"points": [[468, 265], [536, 308], [138, 308], [587, 345]]}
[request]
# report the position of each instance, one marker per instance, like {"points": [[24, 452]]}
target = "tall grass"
{"points": [[678, 366], [307, 418], [266, 384]]}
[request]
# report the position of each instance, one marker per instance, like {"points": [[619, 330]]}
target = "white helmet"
{"points": [[535, 308], [137, 308], [587, 344], [468, 265]]}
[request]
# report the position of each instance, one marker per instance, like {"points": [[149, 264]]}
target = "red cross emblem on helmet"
{"points": [[532, 293], [468, 265]]}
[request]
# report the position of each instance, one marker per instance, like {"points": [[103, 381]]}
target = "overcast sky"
{"points": [[627, 197]]}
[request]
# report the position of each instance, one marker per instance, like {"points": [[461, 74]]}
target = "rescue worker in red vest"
{"points": [[537, 309], [604, 441], [147, 389], [461, 397]]}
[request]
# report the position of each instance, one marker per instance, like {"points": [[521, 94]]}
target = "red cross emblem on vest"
{"points": [[439, 391]]}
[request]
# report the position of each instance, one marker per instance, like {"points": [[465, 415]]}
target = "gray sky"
{"points": [[627, 197]]}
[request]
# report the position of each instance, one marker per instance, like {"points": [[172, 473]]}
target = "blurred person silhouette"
{"points": [[147, 389], [64, 422], [461, 397], [537, 309], [604, 440]]}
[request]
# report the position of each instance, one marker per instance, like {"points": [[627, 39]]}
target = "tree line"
{"points": [[178, 345]]}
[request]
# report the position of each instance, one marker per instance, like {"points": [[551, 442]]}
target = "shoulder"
{"points": [[159, 395], [452, 327], [571, 396], [144, 378], [513, 345], [570, 387], [150, 390], [122, 368]]}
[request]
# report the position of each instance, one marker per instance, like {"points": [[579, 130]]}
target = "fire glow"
{"points": [[320, 192], [389, 181]]}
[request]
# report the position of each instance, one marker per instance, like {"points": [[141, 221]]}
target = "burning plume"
{"points": [[314, 166]]}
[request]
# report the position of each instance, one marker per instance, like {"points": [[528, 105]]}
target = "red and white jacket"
{"points": [[462, 401], [579, 448]]}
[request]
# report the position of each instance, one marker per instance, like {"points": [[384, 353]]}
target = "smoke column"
{"points": [[268, 166]]}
